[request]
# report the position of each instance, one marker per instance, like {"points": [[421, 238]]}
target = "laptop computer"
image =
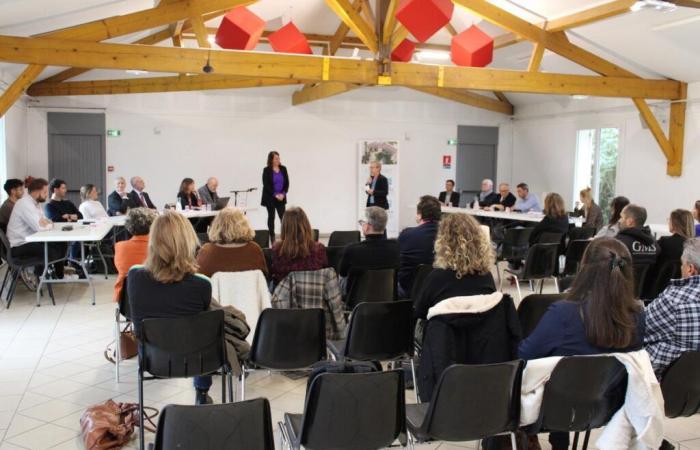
{"points": [[221, 203]]}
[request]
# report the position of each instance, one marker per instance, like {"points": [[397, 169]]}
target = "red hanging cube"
{"points": [[289, 39], [472, 47], [240, 29], [404, 51], [424, 18]]}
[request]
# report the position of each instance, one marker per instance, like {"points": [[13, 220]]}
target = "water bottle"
{"points": [[475, 205]]}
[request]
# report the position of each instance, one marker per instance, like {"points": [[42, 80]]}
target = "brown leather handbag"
{"points": [[109, 425], [128, 346]]}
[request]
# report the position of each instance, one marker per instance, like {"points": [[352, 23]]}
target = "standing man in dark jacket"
{"points": [[375, 252], [417, 244], [377, 186], [637, 237]]}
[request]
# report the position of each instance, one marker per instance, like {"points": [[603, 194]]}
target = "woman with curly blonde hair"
{"points": [[231, 247], [462, 267]]}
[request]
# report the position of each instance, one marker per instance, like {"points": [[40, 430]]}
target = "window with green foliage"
{"points": [[596, 164]]}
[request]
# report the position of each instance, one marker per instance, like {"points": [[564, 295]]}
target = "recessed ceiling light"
{"points": [[136, 72], [657, 5], [579, 97]]}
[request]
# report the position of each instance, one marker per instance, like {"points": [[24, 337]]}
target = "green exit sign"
{"points": [[452, 142], [114, 133]]}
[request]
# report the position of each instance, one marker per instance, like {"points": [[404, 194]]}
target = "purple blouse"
{"points": [[278, 182]]}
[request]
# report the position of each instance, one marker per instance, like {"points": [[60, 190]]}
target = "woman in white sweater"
{"points": [[90, 208]]}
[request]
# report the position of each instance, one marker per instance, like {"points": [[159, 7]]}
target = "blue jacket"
{"points": [[417, 247]]}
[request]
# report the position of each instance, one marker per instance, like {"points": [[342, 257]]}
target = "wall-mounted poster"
{"points": [[387, 153]]}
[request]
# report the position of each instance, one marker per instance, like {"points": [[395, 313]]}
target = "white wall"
{"points": [[15, 136], [544, 151], [166, 137]]}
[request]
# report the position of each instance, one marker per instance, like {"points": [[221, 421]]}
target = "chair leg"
{"points": [[541, 285], [11, 289], [117, 346], [142, 434], [575, 445], [517, 285], [104, 262], [223, 385], [556, 283], [242, 383], [585, 439], [513, 441], [500, 280], [4, 280], [231, 387], [415, 381]]}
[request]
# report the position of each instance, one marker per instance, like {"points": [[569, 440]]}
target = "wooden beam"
{"points": [[390, 22], [320, 91], [450, 29], [555, 42], [400, 34], [501, 96], [654, 127], [341, 33], [536, 58], [311, 68], [15, 90], [367, 11], [67, 74], [354, 20], [153, 84], [176, 30], [471, 99], [676, 134], [115, 26], [200, 30]]}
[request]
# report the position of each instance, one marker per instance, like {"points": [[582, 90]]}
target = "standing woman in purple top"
{"points": [[275, 187]]}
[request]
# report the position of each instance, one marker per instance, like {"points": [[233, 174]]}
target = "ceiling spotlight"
{"points": [[211, 39], [656, 5]]}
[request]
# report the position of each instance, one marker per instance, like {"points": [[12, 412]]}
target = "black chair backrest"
{"points": [[124, 308], [287, 339], [231, 426], [376, 285], [183, 347], [267, 253], [532, 308], [640, 276], [574, 254], [262, 238], [343, 238], [515, 243], [667, 271], [352, 411], [583, 393], [421, 273], [5, 249], [334, 255], [475, 401], [380, 331], [550, 238], [581, 233], [681, 386], [315, 233], [541, 261]]}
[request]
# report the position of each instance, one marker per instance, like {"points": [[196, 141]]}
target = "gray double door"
{"points": [[77, 151], [477, 157]]}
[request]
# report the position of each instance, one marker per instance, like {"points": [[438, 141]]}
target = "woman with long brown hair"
{"points": [[616, 206], [275, 181], [589, 210], [187, 195], [296, 250], [600, 314], [555, 219]]}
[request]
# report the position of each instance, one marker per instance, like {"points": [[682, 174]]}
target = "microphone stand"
{"points": [[241, 191]]}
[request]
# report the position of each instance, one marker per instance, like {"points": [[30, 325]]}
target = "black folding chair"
{"points": [[470, 402], [375, 285], [667, 271], [262, 238], [183, 347], [681, 386], [421, 273], [232, 426], [581, 233], [640, 276], [348, 411], [514, 246], [532, 308], [334, 254], [267, 254], [380, 331], [540, 264], [15, 266], [550, 238], [315, 234], [286, 339], [582, 394], [574, 255], [343, 238]]}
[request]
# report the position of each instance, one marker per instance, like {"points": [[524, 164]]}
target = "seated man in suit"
{"points": [[375, 252], [137, 197], [118, 200], [449, 197], [506, 199], [417, 243], [637, 237], [207, 193], [486, 197]]}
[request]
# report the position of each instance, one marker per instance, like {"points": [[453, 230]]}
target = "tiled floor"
{"points": [[52, 367]]}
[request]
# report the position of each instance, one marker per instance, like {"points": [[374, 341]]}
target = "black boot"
{"points": [[202, 398]]}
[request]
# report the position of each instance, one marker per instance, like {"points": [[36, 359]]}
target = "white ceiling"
{"points": [[649, 43]]}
